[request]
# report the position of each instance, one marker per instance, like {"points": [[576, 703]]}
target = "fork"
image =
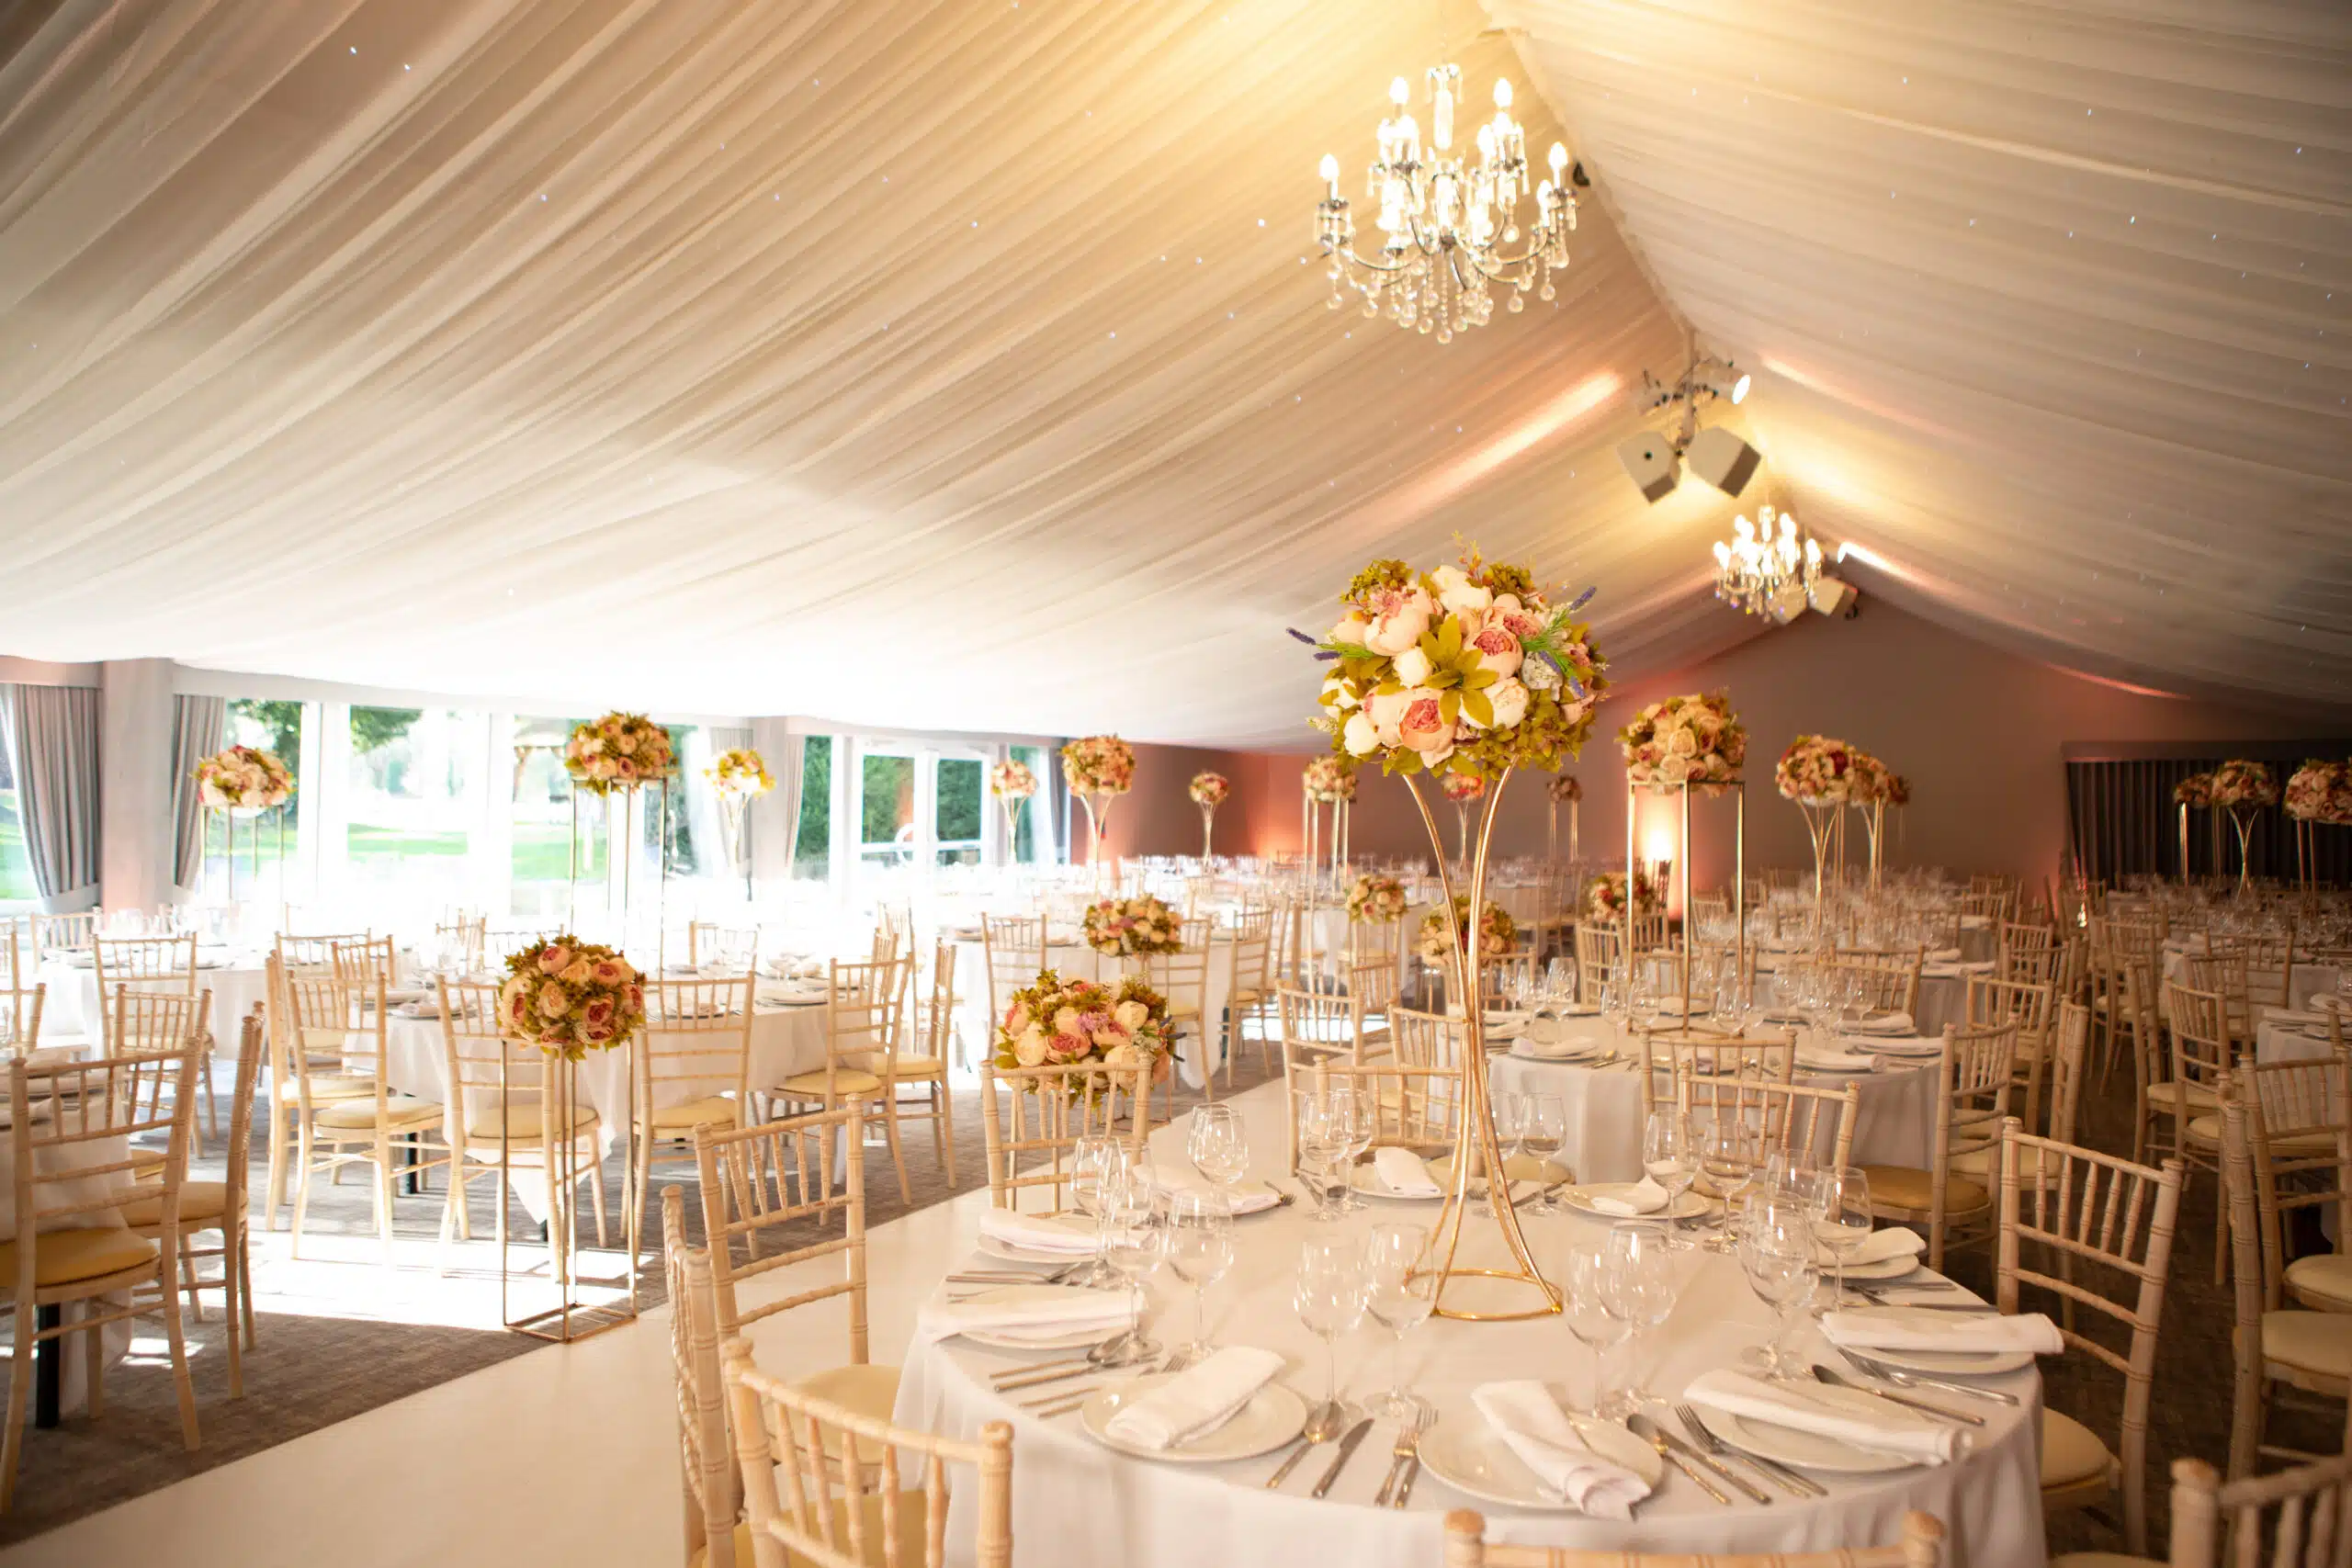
{"points": [[1407, 1452], [1714, 1448]]}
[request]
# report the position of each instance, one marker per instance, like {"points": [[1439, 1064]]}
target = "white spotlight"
{"points": [[1724, 380], [1721, 458], [1649, 463]]}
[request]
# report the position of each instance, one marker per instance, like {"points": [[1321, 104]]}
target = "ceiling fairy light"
{"points": [[1655, 460], [1450, 226]]}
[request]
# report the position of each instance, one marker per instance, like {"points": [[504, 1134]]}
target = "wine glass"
{"points": [[1355, 1121], [1728, 1155], [1837, 1200], [1401, 1295], [1583, 1303], [1200, 1249], [1133, 1242], [1216, 1145], [1510, 1112], [1776, 1241], [1096, 1159], [1322, 1155], [1543, 1133], [1670, 1156], [1329, 1293], [1639, 1289]]}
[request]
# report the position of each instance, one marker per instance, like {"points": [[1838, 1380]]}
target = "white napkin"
{"points": [[1886, 1023], [1880, 1246], [1035, 1233], [1944, 955], [1830, 1059], [1404, 1173], [1038, 1311], [1241, 1199], [1896, 1431], [1645, 1197], [1531, 1423], [1967, 1332], [1197, 1400]]}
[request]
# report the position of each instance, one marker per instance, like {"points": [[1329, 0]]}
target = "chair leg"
{"points": [[381, 1171], [595, 1168], [187, 1281], [94, 1352], [244, 1261], [231, 1293], [302, 1175], [274, 1190], [898, 1156], [20, 1377], [946, 1112], [177, 1335]]}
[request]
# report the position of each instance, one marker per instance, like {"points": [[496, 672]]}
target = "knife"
{"points": [[1835, 1380], [1339, 1460], [1652, 1431]]}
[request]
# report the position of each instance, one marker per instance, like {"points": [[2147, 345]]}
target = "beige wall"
{"points": [[1977, 730], [1158, 817]]}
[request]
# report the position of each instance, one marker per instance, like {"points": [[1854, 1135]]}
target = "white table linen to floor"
{"points": [[74, 1385], [2297, 1038], [70, 1006], [1075, 960], [1078, 1504], [1894, 1117]]}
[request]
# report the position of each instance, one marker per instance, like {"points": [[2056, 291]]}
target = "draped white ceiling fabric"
{"points": [[2050, 303], [965, 365]]}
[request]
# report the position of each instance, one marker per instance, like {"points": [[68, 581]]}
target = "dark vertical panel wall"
{"points": [[2121, 822]]}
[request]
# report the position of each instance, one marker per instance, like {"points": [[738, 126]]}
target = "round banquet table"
{"points": [[1078, 1504], [1895, 1118], [71, 1007]]}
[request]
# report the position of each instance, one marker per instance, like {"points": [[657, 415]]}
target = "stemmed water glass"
{"points": [[1728, 1155], [1670, 1157], [1096, 1160], [1322, 1155], [1639, 1289], [1329, 1292], [1400, 1294], [1543, 1133], [1134, 1241], [1584, 1280], [1510, 1124], [1776, 1242], [1200, 1249], [1216, 1145], [1356, 1119], [1837, 1201]]}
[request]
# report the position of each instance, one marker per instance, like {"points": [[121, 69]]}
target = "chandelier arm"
{"points": [[1351, 257]]}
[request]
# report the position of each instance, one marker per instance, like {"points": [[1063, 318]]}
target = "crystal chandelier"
{"points": [[1765, 573], [1450, 227]]}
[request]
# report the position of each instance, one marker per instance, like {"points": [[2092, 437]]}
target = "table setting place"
{"points": [[1654, 1387]]}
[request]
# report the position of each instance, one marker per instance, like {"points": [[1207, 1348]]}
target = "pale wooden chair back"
{"points": [[1467, 1547], [1891, 981], [1374, 942], [2203, 1045], [824, 1485], [307, 955], [1649, 931], [1012, 951], [1253, 947], [1321, 1022], [2070, 1045], [1183, 976], [861, 1010], [935, 1031], [20, 1010], [1976, 1068], [1415, 1107], [1426, 1039], [63, 933], [466, 935], [2304, 1516], [698, 1043], [2028, 1004], [1601, 952], [14, 952], [2102, 1215], [759, 1180], [1372, 985], [1032, 1128], [156, 1020], [364, 966], [2299, 1139], [1814, 1120], [713, 1487], [342, 1042], [150, 963]]}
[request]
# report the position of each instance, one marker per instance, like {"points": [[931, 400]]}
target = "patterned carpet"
{"points": [[312, 1370]]}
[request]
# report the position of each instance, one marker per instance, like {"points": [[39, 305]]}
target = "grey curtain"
{"points": [[53, 739], [199, 724], [2122, 819]]}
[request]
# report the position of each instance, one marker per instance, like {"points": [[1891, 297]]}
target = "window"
{"points": [[549, 837], [263, 840], [886, 836], [955, 819], [413, 805], [16, 866], [812, 851]]}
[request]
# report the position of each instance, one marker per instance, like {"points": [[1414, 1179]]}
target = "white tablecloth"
{"points": [[71, 1004], [75, 1386], [1077, 1504], [2307, 981]]}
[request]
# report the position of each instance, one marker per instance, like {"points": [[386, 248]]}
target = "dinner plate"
{"points": [[1075, 1339], [1873, 1273], [1273, 1417], [1527, 1050], [1689, 1206], [1906, 1046], [1467, 1453], [1941, 1363], [1520, 1167], [1809, 1451], [1577, 1009]]}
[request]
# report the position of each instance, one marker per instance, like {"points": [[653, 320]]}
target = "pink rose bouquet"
{"points": [[1375, 900], [1330, 778], [243, 777], [1058, 1021], [1012, 780], [570, 998], [2240, 782], [1817, 771], [1209, 789], [1680, 741], [1564, 788], [1496, 930], [620, 751], [1099, 765], [1131, 927]]}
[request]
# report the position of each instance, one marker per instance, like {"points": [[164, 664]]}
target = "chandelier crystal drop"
{"points": [[1450, 226], [1770, 566]]}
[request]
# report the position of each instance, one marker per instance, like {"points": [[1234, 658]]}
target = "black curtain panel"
{"points": [[2121, 820]]}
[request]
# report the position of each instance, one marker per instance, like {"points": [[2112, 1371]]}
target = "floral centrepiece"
{"points": [[2196, 790], [1209, 789], [570, 998], [1375, 900], [243, 777], [2318, 791], [1496, 931], [2240, 782], [1464, 788], [1132, 927], [1099, 765], [1011, 780], [1874, 781], [1817, 771], [742, 772], [1058, 1021], [1330, 778], [1564, 787], [1468, 668], [1690, 740], [1604, 897], [1898, 790], [618, 751]]}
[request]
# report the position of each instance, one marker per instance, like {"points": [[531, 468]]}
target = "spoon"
{"points": [[1324, 1423]]}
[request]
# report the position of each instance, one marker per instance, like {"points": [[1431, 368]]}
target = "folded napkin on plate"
{"points": [[1530, 1422], [1529, 1050], [1643, 1197], [1829, 1059], [1033, 1311], [1895, 1430], [1882, 1246], [424, 1007], [1036, 1232], [1962, 1333], [1979, 966], [1195, 1400], [1403, 1172], [1881, 1023], [1241, 1199], [1943, 955]]}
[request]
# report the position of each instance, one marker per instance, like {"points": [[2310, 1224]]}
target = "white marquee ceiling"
{"points": [[957, 365]]}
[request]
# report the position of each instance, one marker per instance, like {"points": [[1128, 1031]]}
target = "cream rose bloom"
{"points": [[1674, 770], [1353, 627], [1066, 1020], [1683, 743], [1458, 593], [1122, 1057], [1412, 667], [1402, 616], [1386, 710], [1422, 725], [553, 1001], [1340, 691], [1130, 1016], [1361, 737], [1508, 698], [579, 972], [1029, 1046]]}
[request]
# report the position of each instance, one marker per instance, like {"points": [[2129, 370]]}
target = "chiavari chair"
{"points": [[2028, 1003], [74, 1123], [287, 1049], [1032, 1128], [2299, 1127], [1413, 1107], [2069, 1051], [1888, 981], [715, 1537], [1600, 953], [1182, 977], [1247, 1001], [310, 956], [2307, 1351], [2304, 1516], [219, 1206], [496, 1118], [1971, 1101], [2203, 1052], [926, 1064], [335, 1127], [860, 1052], [1333, 1025], [1012, 951], [62, 933], [363, 967], [767, 1203], [1466, 1546], [1812, 1120], [786, 1440], [21, 1010], [2077, 1208], [694, 1066]]}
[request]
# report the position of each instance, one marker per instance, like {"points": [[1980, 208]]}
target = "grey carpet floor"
{"points": [[309, 1372]]}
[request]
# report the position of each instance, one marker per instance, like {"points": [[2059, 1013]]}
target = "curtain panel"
{"points": [[2121, 822], [199, 724], [52, 739]]}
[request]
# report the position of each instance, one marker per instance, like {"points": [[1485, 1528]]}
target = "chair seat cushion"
{"points": [[919, 1067], [2317, 1342], [845, 1080], [2322, 1282], [1906, 1186], [2103, 1560], [400, 1111], [60, 1257], [2161, 1097], [328, 1085], [200, 1201], [2071, 1453], [2206, 1133], [864, 1389], [913, 1507], [523, 1122], [717, 1107]]}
